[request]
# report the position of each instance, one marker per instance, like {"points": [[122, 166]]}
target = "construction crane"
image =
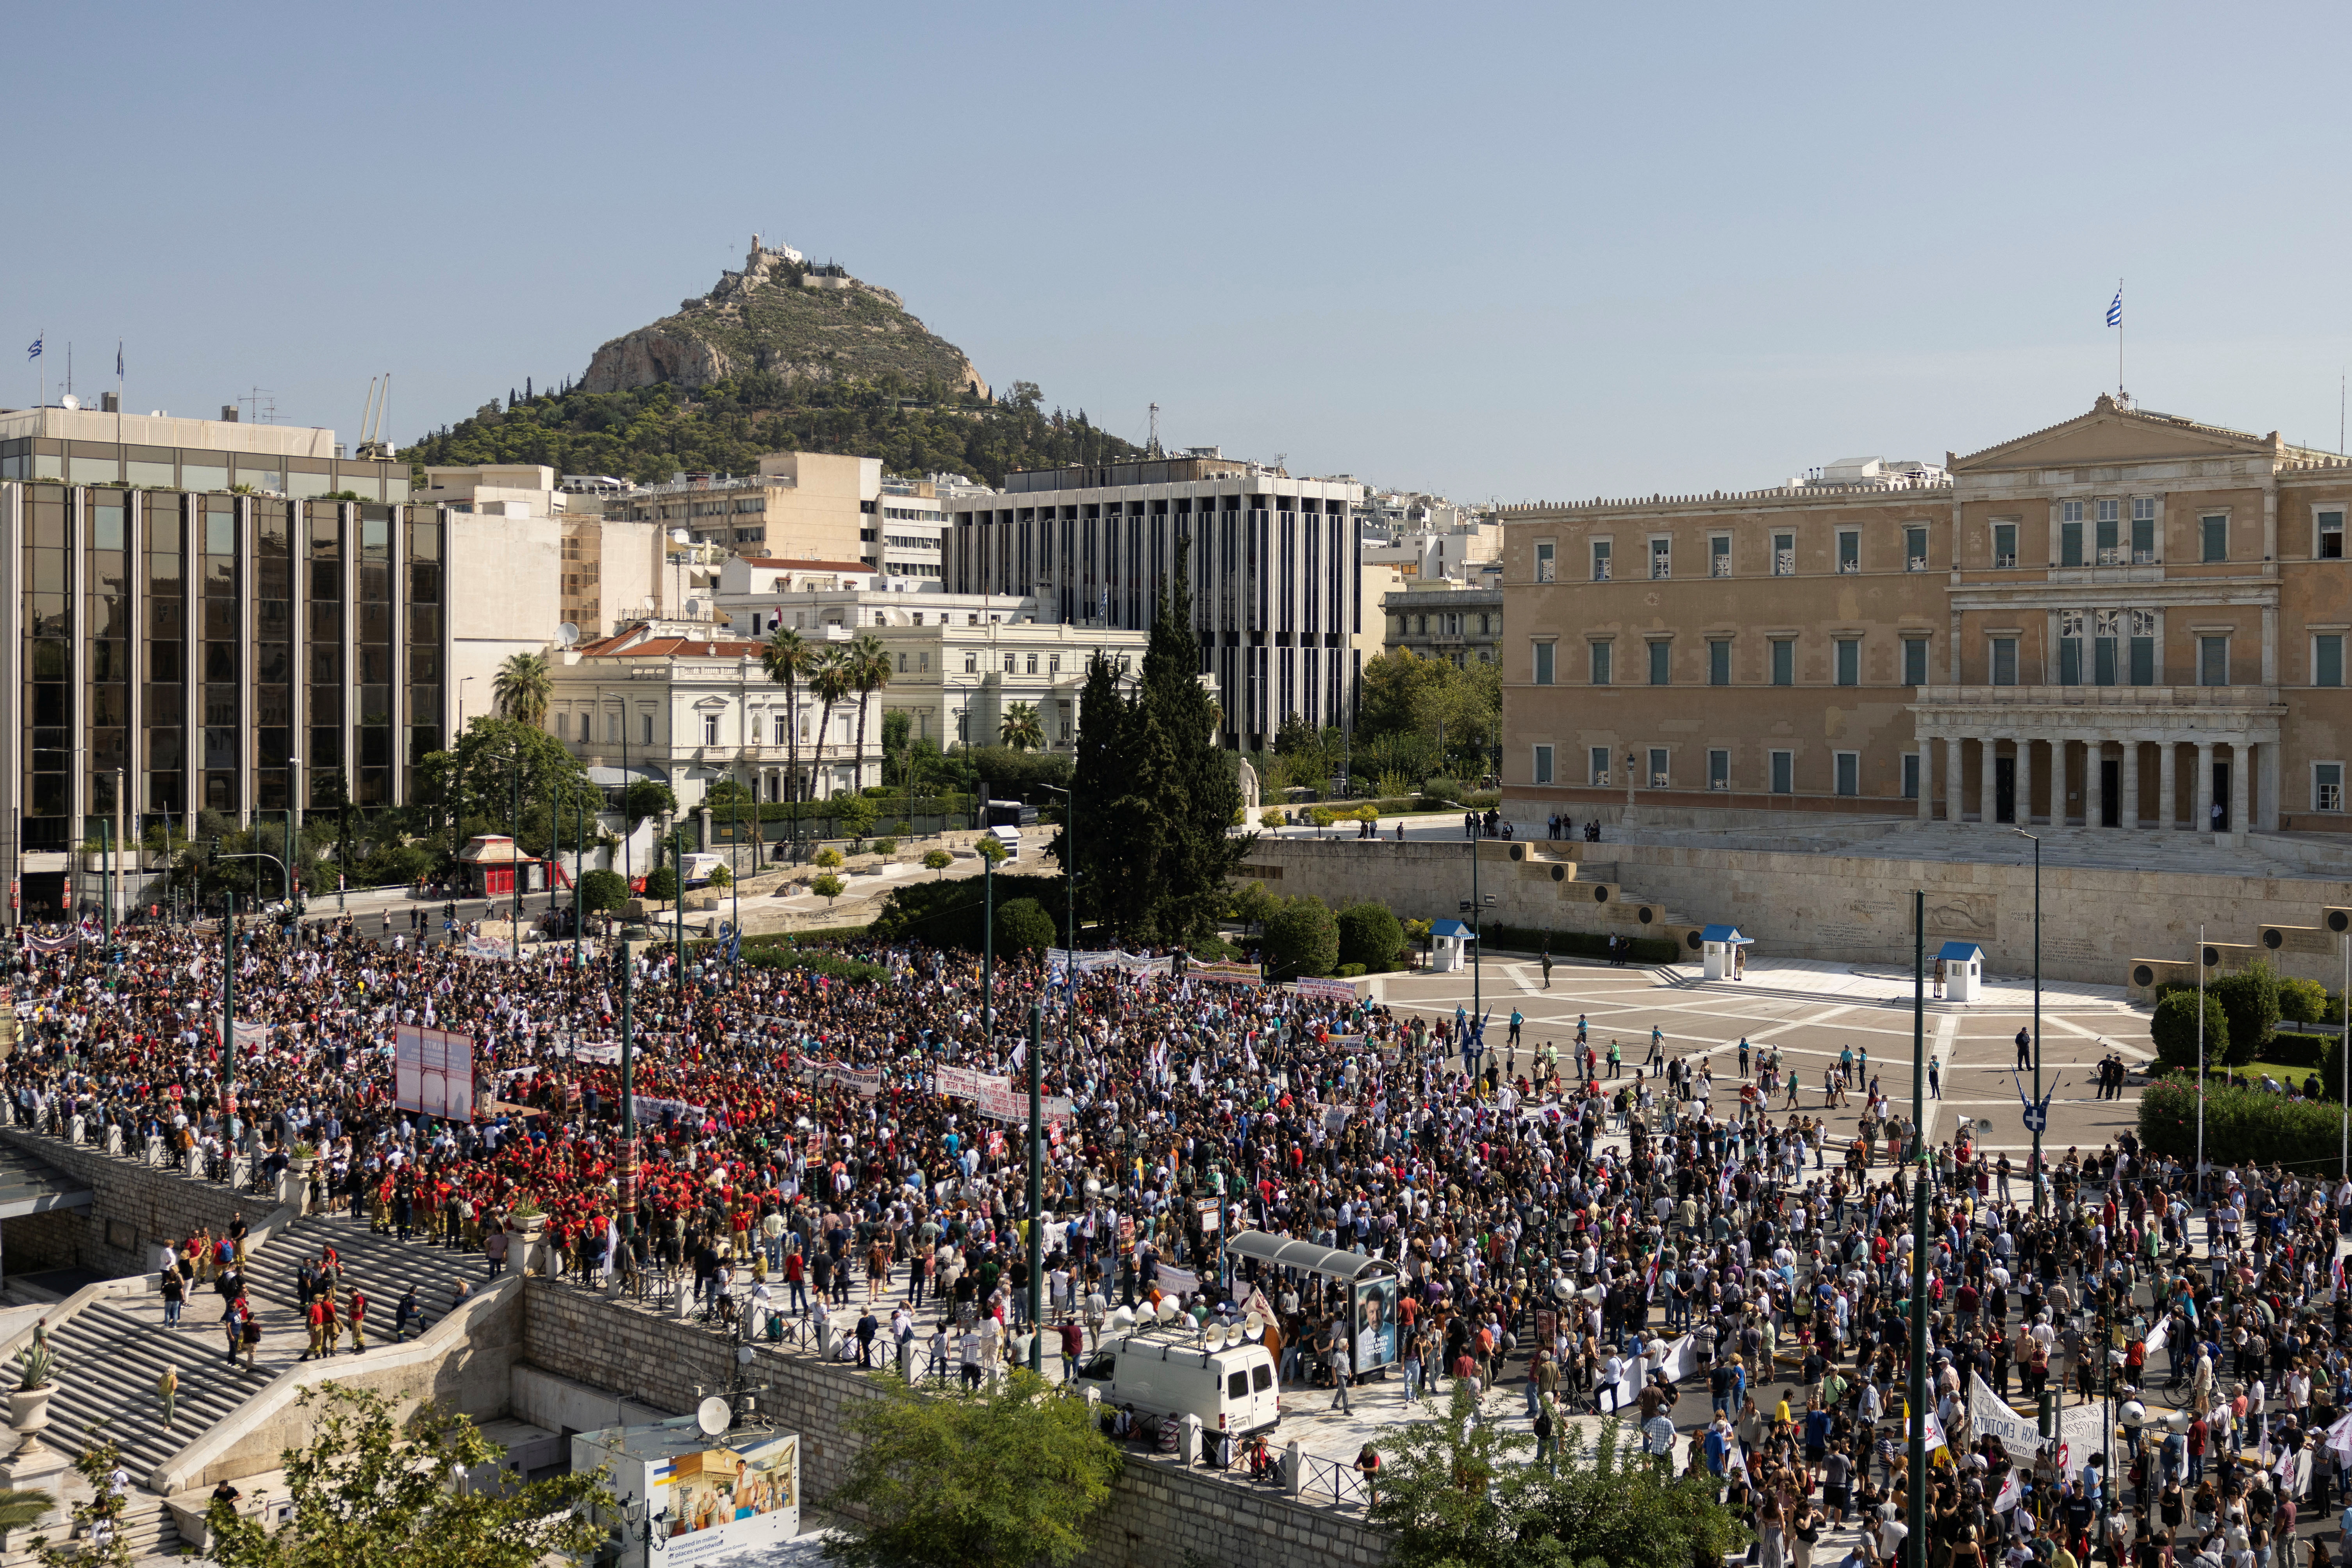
{"points": [[372, 444]]}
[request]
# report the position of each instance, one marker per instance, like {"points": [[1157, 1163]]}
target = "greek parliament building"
{"points": [[187, 624], [2127, 620], [1278, 591]]}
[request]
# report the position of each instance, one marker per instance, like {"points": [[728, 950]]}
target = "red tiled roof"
{"points": [[676, 648]]}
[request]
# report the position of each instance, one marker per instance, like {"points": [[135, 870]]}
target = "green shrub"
{"points": [[1349, 971], [828, 859], [1022, 926], [1580, 943], [1302, 938], [2302, 1001], [1446, 790], [661, 884], [886, 846], [1371, 936], [937, 859], [948, 915], [2241, 1125], [2174, 1030], [2249, 1000], [828, 887], [2310, 1052], [601, 891]]}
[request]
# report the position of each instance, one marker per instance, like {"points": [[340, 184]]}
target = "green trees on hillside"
{"points": [[651, 433]]}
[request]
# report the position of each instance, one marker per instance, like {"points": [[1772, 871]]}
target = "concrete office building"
{"points": [[2127, 620], [1277, 600], [798, 504]]}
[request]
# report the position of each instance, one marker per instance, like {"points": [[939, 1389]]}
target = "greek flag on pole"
{"points": [[2115, 308], [35, 350]]}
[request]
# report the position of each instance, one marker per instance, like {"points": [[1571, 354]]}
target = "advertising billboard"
{"points": [[1373, 1318]]}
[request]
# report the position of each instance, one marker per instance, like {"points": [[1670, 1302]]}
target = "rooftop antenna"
{"points": [[1153, 450]]}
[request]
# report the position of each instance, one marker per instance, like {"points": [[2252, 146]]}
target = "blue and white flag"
{"points": [[2115, 308], [35, 350]]}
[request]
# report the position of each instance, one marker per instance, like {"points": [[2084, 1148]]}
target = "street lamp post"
{"points": [[2036, 1128], [1037, 1185], [1916, 1543]]}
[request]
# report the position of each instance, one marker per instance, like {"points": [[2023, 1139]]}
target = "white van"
{"points": [[1231, 1390]]}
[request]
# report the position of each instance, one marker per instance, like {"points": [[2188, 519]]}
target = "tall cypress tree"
{"points": [[1191, 793], [1103, 794]]}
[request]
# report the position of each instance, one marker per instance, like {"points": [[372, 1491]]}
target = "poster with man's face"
{"points": [[1375, 1325]]}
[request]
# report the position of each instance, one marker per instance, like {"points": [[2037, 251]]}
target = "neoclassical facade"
{"points": [[2126, 620]]}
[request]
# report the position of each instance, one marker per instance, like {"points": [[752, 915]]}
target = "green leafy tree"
{"points": [[2249, 1000], [853, 815], [97, 1520], [2173, 1030], [1371, 935], [897, 744], [603, 890], [828, 887], [1457, 1493], [661, 884], [993, 851], [645, 798], [20, 1506], [1301, 939], [1007, 1478], [720, 876], [829, 859], [1407, 696], [1022, 926], [937, 860], [477, 778], [2302, 1001], [521, 687], [832, 679], [1021, 729], [372, 1490], [727, 792]]}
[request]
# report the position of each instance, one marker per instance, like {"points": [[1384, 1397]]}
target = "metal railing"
{"points": [[1328, 1483]]}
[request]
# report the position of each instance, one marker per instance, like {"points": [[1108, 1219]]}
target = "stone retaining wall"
{"points": [[2096, 921], [1160, 1514], [133, 1207]]}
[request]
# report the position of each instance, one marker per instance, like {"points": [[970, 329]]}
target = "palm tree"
{"points": [[869, 665], [521, 688], [831, 681], [1020, 730], [787, 658], [21, 1508]]}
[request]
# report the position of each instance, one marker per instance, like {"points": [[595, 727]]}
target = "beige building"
{"points": [[798, 504], [2127, 620]]}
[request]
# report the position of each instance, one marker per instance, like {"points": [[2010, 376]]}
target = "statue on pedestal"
{"points": [[1249, 786]]}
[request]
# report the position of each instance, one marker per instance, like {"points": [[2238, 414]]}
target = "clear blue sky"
{"points": [[1511, 252]]}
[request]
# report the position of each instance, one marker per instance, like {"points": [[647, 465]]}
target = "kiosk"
{"points": [[1726, 953], [1450, 942], [1960, 966]]}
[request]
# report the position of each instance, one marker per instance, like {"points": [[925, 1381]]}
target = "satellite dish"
{"points": [[711, 1416], [742, 1355], [69, 400], [567, 634]]}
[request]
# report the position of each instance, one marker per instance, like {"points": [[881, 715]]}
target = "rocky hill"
{"points": [[797, 323]]}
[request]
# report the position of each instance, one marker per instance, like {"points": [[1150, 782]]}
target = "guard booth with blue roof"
{"points": [[1450, 943], [1960, 966], [1726, 953]]}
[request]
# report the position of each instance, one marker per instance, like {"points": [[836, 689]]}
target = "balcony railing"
{"points": [[1721, 567], [1849, 566], [1601, 570], [2004, 563], [1915, 564], [2100, 695]]}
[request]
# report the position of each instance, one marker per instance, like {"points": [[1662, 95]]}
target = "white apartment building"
{"points": [[1277, 597]]}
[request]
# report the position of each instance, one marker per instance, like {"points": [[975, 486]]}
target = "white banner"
{"points": [[1988, 1413], [1333, 990]]}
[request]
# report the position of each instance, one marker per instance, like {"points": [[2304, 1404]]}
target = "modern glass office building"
{"points": [[180, 650]]}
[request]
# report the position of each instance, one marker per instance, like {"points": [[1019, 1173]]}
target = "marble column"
{"points": [[2129, 817], [2024, 781], [2168, 806], [1927, 778], [2242, 786], [1985, 813], [2201, 792], [1953, 799]]}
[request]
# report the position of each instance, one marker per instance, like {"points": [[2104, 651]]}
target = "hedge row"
{"points": [[2241, 1125], [1578, 944]]}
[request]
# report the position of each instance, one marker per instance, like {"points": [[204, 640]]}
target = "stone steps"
{"points": [[108, 1363], [383, 1265]]}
